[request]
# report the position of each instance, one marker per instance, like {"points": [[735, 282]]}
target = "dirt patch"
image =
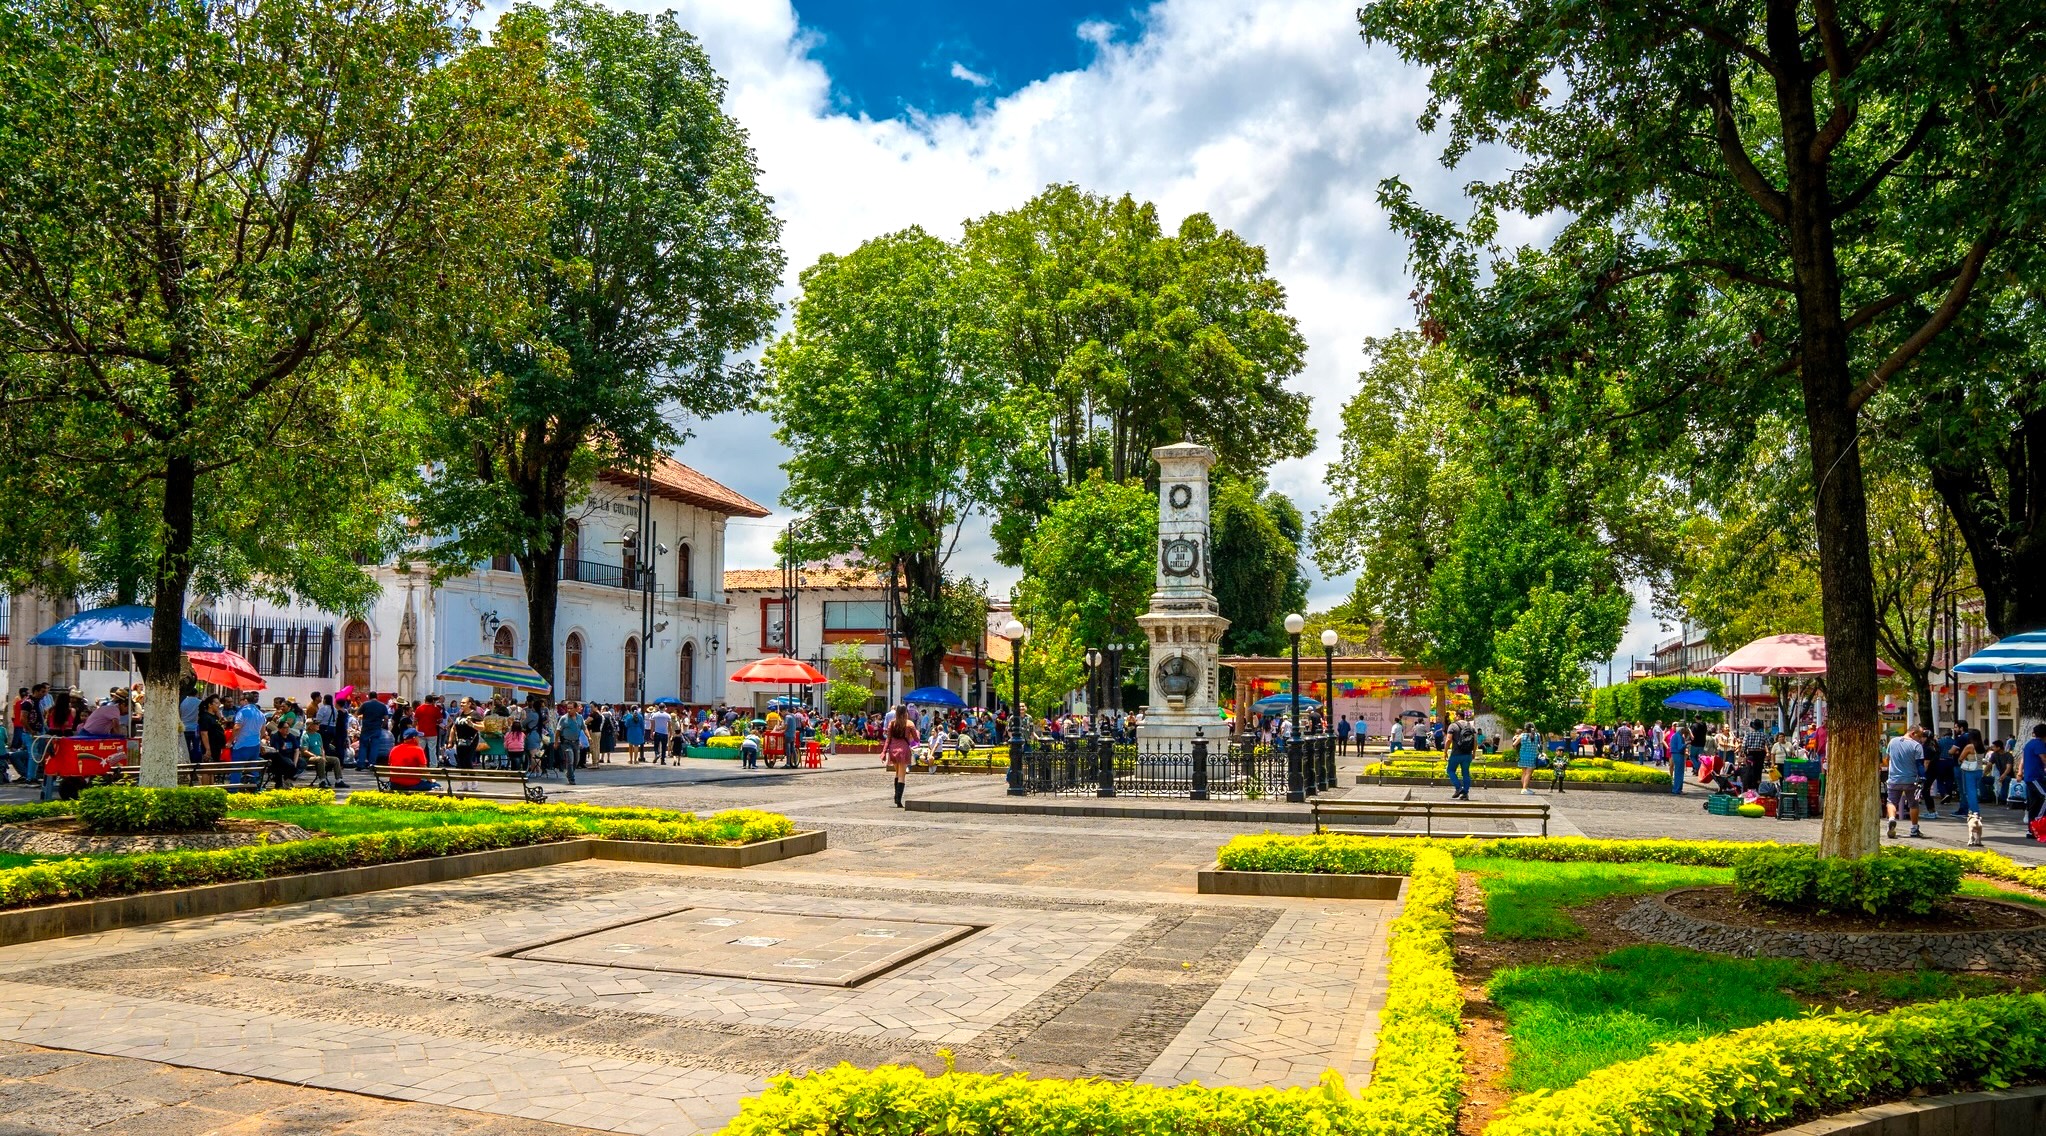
{"points": [[1722, 905]]}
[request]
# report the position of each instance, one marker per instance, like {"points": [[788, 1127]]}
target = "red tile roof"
{"points": [[814, 576], [677, 482]]}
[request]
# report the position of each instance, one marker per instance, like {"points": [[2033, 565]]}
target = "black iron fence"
{"points": [[1200, 770]]}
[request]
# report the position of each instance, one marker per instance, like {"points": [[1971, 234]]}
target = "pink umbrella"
{"points": [[1784, 655]]}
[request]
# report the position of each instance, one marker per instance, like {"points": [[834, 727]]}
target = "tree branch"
{"points": [[1957, 298], [1888, 165], [1772, 200]]}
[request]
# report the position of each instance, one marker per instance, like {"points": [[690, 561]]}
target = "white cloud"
{"points": [[1273, 116], [965, 75]]}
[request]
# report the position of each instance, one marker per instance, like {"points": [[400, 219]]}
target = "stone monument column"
{"points": [[1184, 623]]}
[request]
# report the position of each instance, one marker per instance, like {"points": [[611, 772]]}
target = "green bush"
{"points": [[279, 799], [1417, 1072], [1342, 855], [90, 877], [438, 803], [1894, 881], [1770, 1074], [1580, 771], [36, 810], [736, 826], [131, 808]]}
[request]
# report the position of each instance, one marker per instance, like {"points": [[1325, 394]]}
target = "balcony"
{"points": [[592, 572]]}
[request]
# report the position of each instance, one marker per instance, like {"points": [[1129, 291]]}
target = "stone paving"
{"points": [[1057, 946]]}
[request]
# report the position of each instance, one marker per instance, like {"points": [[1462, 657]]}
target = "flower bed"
{"points": [[1785, 1070], [1588, 771]]}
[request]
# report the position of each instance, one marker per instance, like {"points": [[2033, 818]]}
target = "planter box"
{"points": [[859, 747], [79, 917], [710, 855], [1215, 880]]}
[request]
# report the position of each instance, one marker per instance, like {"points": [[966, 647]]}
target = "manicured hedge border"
{"points": [[89, 878], [1785, 1070], [1414, 1089], [435, 803], [1575, 773], [664, 826]]}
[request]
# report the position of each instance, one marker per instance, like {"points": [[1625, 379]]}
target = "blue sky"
{"points": [[1271, 116], [938, 57]]}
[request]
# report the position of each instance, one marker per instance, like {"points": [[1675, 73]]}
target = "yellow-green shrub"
{"points": [[1343, 855], [279, 799], [440, 803], [1783, 1070], [735, 826], [1417, 1073]]}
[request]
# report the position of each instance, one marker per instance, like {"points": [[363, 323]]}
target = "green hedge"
{"points": [[1894, 881], [88, 878], [279, 799], [1641, 700], [437, 803], [36, 810], [1416, 1084], [1785, 1070], [1340, 855], [735, 826], [131, 808], [1581, 771]]}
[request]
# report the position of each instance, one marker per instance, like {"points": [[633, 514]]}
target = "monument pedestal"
{"points": [[1184, 624]]}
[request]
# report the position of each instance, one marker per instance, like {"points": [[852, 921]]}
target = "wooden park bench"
{"points": [[501, 784], [1329, 815]]}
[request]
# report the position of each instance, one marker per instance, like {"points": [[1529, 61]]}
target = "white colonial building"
{"points": [[416, 629]]}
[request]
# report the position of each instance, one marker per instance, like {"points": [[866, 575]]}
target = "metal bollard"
{"points": [[1106, 768], [1296, 786], [1200, 767]]}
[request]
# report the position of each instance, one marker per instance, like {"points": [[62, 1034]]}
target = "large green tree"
{"points": [[1540, 669], [1256, 537], [1773, 204], [1117, 336], [1093, 560], [886, 396], [656, 274], [230, 232]]}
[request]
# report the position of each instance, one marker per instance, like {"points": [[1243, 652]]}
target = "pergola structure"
{"points": [[1371, 690]]}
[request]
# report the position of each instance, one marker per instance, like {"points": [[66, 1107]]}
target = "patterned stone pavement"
{"points": [[1070, 947]]}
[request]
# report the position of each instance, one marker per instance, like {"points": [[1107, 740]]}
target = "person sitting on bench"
{"points": [[409, 752]]}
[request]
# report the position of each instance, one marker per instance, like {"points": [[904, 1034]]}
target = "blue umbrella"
{"points": [[784, 702], [1274, 702], [123, 628], [1696, 700], [934, 696], [2012, 655], [671, 700]]}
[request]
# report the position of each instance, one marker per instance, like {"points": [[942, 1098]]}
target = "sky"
{"points": [[1272, 116]]}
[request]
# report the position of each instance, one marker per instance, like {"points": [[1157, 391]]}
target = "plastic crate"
{"points": [[1722, 804], [1792, 807]]}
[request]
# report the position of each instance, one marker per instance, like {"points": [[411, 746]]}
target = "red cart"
{"points": [[75, 763]]}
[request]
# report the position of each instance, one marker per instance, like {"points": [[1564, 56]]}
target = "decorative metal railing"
{"points": [[1198, 770]]}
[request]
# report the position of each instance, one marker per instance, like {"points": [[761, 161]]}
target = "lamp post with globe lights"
{"points": [[1016, 633], [1328, 725]]}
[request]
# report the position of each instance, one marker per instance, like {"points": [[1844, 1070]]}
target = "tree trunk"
{"points": [[1921, 689], [542, 575], [924, 581], [163, 734]]}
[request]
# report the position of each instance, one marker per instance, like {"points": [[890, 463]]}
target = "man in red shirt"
{"points": [[408, 752], [426, 718]]}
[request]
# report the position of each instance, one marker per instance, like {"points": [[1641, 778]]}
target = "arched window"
{"points": [[685, 584], [572, 668], [632, 668], [355, 655], [506, 643], [688, 683], [571, 550]]}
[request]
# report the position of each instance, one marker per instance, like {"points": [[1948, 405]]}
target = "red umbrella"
{"points": [[780, 670], [1784, 655], [225, 668]]}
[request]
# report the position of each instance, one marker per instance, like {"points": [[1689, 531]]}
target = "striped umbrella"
{"points": [[2017, 655], [497, 670]]}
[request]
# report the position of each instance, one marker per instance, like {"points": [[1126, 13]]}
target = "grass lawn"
{"points": [[1526, 899], [1983, 889], [1566, 1021]]}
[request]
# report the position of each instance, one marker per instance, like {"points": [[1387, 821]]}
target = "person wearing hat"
{"points": [[409, 752], [105, 719]]}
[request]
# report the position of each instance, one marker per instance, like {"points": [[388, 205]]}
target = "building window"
{"points": [[685, 583], [774, 625], [506, 643], [855, 615], [572, 668], [502, 562], [632, 668], [688, 675], [355, 655]]}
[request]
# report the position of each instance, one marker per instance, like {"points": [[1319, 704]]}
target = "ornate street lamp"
{"points": [[1328, 650], [1016, 633], [1094, 680]]}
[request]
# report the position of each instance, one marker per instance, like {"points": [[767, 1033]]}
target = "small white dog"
{"points": [[1974, 830]]}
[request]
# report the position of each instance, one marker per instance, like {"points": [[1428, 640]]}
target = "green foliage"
{"points": [[1256, 549], [239, 235], [733, 826], [1054, 665], [1416, 1083], [1587, 771], [1567, 1020], [1530, 899], [279, 799], [1114, 337], [654, 276], [1320, 853], [886, 394], [1641, 700], [92, 877], [1091, 560], [1893, 882], [852, 680], [36, 810], [1538, 672], [130, 808], [1792, 1069]]}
